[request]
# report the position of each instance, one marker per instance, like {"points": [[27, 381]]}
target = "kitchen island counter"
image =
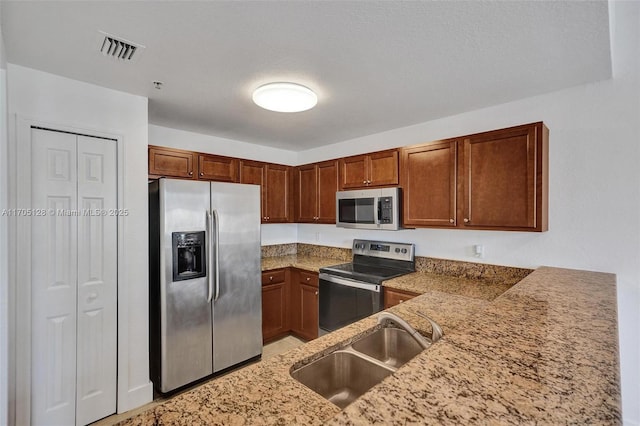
{"points": [[544, 352]]}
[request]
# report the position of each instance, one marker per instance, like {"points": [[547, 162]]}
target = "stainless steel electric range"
{"points": [[352, 291]]}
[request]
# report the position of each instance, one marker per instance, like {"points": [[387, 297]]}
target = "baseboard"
{"points": [[137, 397]]}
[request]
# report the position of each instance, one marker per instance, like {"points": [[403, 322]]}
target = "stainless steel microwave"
{"points": [[369, 208]]}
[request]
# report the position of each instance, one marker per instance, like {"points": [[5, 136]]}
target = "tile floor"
{"points": [[269, 350]]}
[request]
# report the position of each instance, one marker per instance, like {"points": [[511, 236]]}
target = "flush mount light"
{"points": [[285, 97]]}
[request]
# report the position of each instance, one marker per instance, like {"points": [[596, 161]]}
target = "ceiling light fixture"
{"points": [[285, 97]]}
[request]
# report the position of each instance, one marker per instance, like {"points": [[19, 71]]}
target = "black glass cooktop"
{"points": [[366, 273]]}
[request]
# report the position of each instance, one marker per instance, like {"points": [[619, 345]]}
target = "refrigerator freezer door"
{"points": [[185, 319], [237, 307]]}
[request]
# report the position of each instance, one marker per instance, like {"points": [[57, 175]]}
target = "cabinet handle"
{"points": [[451, 220], [466, 220]]}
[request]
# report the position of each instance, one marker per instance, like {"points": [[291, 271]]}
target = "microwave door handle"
{"points": [[209, 263], [378, 210], [216, 261]]}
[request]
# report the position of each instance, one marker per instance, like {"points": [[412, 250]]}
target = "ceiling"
{"points": [[375, 65]]}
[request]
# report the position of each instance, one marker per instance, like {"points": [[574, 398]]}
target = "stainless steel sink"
{"points": [[341, 377], [392, 346], [344, 375]]}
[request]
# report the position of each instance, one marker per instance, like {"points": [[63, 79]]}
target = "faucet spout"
{"points": [[388, 316]]}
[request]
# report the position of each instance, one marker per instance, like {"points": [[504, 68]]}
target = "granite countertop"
{"points": [[543, 352], [309, 263]]}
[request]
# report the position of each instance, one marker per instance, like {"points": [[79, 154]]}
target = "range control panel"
{"points": [[385, 249]]}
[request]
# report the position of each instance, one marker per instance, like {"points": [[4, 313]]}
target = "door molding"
{"points": [[20, 239]]}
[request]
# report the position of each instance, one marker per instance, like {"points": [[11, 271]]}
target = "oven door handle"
{"points": [[349, 282]]}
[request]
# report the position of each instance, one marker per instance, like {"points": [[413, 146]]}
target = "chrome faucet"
{"points": [[388, 316]]}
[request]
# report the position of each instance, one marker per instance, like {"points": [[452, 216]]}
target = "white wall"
{"points": [[44, 97], [182, 139], [594, 195], [4, 267]]}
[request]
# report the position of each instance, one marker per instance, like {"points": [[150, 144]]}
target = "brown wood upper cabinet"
{"points": [[177, 163], [429, 184], [275, 182], [375, 169], [493, 180], [218, 168], [505, 179], [169, 162], [315, 197]]}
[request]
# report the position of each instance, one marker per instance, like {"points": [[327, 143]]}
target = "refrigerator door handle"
{"points": [[208, 248], [216, 233]]}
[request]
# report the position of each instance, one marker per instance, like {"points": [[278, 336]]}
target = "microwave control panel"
{"points": [[386, 210]]}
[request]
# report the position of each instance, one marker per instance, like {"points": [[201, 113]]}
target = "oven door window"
{"points": [[342, 305], [356, 210]]}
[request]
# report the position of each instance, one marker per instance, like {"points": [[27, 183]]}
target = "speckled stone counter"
{"points": [[309, 263], [423, 282], [544, 352]]}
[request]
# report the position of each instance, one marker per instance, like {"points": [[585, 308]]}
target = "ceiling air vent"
{"points": [[119, 48]]}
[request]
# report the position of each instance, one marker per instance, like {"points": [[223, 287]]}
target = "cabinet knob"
{"points": [[201, 173], [316, 293], [400, 301], [466, 220], [268, 217], [191, 173], [308, 278], [368, 182], [451, 220], [270, 278], [364, 181]]}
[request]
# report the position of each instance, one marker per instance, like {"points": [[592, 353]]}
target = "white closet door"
{"points": [[53, 278], [97, 280], [74, 278]]}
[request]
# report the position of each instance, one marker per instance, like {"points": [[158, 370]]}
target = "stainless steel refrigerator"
{"points": [[204, 287]]}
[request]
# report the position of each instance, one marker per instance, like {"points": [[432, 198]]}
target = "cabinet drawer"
{"points": [[309, 278], [272, 277], [395, 297]]}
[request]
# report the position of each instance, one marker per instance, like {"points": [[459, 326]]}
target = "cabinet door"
{"points": [[353, 172], [394, 297], [382, 168], [253, 172], [307, 194], [214, 167], [278, 194], [327, 187], [504, 179], [274, 311], [429, 184], [309, 311], [171, 162]]}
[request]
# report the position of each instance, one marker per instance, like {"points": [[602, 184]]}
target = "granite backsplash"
{"points": [[455, 268]]}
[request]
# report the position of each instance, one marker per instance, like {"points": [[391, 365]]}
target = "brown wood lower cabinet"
{"points": [[289, 304], [304, 304], [393, 297], [275, 304]]}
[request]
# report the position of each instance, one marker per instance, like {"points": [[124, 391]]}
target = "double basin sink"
{"points": [[344, 375]]}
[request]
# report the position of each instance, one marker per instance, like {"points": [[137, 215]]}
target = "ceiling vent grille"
{"points": [[118, 48]]}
